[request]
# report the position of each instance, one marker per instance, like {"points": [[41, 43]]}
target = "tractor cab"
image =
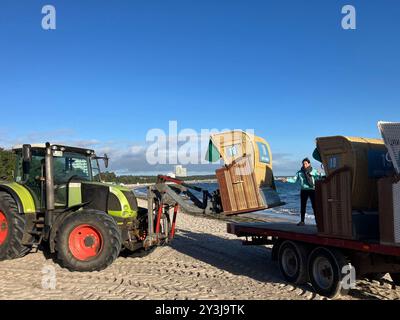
{"points": [[69, 164], [61, 177]]}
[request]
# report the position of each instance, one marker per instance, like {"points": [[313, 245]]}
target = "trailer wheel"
{"points": [[395, 278], [292, 258], [12, 226], [88, 240], [325, 272]]}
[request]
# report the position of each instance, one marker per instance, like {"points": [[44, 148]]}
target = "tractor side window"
{"points": [[35, 172], [95, 170]]}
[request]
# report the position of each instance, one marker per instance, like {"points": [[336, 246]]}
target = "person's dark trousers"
{"points": [[304, 195]]}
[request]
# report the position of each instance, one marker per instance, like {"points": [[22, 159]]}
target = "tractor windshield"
{"points": [[71, 165]]}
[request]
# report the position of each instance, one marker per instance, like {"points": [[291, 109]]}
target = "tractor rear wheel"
{"points": [[88, 240], [12, 225]]}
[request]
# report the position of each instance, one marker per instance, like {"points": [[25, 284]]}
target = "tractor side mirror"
{"points": [[27, 153], [106, 160], [26, 159]]}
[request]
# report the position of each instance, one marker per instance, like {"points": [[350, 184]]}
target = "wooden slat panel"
{"points": [[347, 203], [336, 205], [238, 188], [231, 191], [386, 216], [224, 190], [248, 184], [319, 215], [326, 208]]}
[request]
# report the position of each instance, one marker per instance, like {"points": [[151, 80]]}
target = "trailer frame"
{"points": [[368, 259]]}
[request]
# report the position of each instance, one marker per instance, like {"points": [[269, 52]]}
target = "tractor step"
{"points": [[34, 244], [35, 248]]}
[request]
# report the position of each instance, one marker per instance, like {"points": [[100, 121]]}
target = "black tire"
{"points": [[13, 226], [395, 278], [292, 259], [325, 272], [107, 235]]}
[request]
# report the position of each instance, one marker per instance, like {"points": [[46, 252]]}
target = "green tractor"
{"points": [[57, 198]]}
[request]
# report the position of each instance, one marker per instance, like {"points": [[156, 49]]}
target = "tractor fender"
{"points": [[15, 196], [21, 195]]}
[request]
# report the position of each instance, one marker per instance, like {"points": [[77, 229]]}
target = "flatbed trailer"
{"points": [[329, 264]]}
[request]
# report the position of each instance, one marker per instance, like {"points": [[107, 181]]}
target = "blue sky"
{"points": [[112, 70]]}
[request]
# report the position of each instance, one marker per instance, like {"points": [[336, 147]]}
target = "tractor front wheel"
{"points": [[12, 226], [88, 240]]}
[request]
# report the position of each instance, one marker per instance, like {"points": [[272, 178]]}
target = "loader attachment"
{"points": [[165, 198], [246, 181]]}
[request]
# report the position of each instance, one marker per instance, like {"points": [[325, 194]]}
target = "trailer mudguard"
{"points": [[21, 195]]}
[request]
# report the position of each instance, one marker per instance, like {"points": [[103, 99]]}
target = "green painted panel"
{"points": [[127, 211], [24, 195], [75, 194]]}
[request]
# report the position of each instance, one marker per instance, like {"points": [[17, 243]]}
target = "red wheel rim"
{"points": [[3, 228], [85, 242]]}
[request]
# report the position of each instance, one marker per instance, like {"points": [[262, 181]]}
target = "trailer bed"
{"points": [[307, 234]]}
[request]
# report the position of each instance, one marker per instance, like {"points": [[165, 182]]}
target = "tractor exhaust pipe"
{"points": [[48, 219]]}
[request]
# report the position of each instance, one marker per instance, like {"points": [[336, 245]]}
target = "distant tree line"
{"points": [[131, 179], [126, 179], [7, 164]]}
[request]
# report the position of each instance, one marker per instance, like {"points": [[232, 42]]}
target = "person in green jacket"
{"points": [[307, 177]]}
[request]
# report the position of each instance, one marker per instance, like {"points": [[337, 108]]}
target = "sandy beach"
{"points": [[203, 262]]}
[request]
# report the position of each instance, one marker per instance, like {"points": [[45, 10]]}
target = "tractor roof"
{"points": [[57, 147]]}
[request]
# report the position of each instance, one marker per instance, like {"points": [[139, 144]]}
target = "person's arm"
{"points": [[293, 179], [317, 175]]}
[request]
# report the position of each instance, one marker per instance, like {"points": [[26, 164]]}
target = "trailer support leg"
{"points": [[176, 208], [159, 214], [148, 242]]}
